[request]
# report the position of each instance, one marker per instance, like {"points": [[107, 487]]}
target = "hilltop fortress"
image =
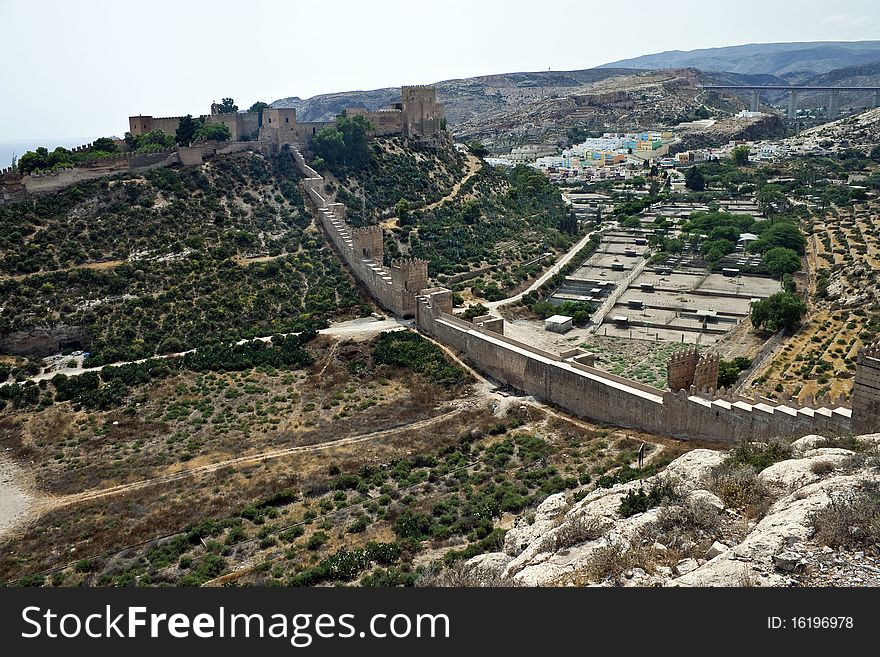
{"points": [[418, 117]]}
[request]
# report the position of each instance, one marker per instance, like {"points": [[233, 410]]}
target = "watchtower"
{"points": [[680, 369], [369, 243], [422, 114], [410, 275], [706, 372], [866, 391]]}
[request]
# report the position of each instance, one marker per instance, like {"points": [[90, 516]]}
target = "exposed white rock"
{"points": [[716, 549], [686, 566], [562, 542], [524, 533], [787, 560], [791, 474], [801, 445], [493, 562], [695, 466], [703, 496]]}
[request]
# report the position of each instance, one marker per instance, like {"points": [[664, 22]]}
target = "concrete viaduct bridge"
{"points": [[793, 92]]}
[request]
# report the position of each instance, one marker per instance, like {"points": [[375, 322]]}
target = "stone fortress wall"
{"points": [[693, 409], [688, 413], [362, 249], [15, 187]]}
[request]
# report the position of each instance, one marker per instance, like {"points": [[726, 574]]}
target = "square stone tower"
{"points": [[422, 114]]}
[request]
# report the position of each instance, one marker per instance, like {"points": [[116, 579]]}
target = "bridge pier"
{"points": [[755, 101], [833, 104], [792, 105]]}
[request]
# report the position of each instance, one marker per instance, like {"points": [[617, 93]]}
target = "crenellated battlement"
{"points": [[870, 351], [363, 250]]}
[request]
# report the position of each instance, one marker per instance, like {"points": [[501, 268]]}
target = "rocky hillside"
{"points": [[799, 514], [134, 265], [464, 98], [766, 126]]}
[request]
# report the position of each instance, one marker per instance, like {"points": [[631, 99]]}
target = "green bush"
{"points": [[412, 351], [639, 501]]}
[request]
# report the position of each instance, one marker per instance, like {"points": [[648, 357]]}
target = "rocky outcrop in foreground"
{"points": [[712, 519]]}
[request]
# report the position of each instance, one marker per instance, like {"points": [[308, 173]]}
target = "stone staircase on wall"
{"points": [[373, 275]]}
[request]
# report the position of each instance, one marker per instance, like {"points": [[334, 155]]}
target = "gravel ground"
{"points": [[824, 566], [14, 499]]}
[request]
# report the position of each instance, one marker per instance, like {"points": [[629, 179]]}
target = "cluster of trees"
{"points": [[413, 352], [42, 159], [783, 310], [149, 142], [694, 179], [345, 144], [189, 130], [729, 370], [780, 240], [740, 155], [579, 311], [721, 231]]}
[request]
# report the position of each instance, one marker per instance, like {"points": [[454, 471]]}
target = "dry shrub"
{"points": [[760, 455], [738, 487], [574, 532], [845, 442], [696, 518], [461, 575], [868, 458], [851, 520], [609, 562], [822, 468]]}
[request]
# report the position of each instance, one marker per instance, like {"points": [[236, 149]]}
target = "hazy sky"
{"points": [[80, 68]]}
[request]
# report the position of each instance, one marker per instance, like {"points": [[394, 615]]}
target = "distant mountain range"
{"points": [[536, 100], [791, 61]]}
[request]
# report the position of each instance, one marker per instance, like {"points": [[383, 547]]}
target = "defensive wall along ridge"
{"points": [[15, 187], [692, 410], [395, 287]]}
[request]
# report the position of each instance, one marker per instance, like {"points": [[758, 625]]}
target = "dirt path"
{"points": [[355, 329], [245, 261], [52, 503], [105, 264], [546, 276], [473, 165]]}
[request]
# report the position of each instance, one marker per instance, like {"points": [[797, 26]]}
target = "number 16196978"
{"points": [[810, 623]]}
